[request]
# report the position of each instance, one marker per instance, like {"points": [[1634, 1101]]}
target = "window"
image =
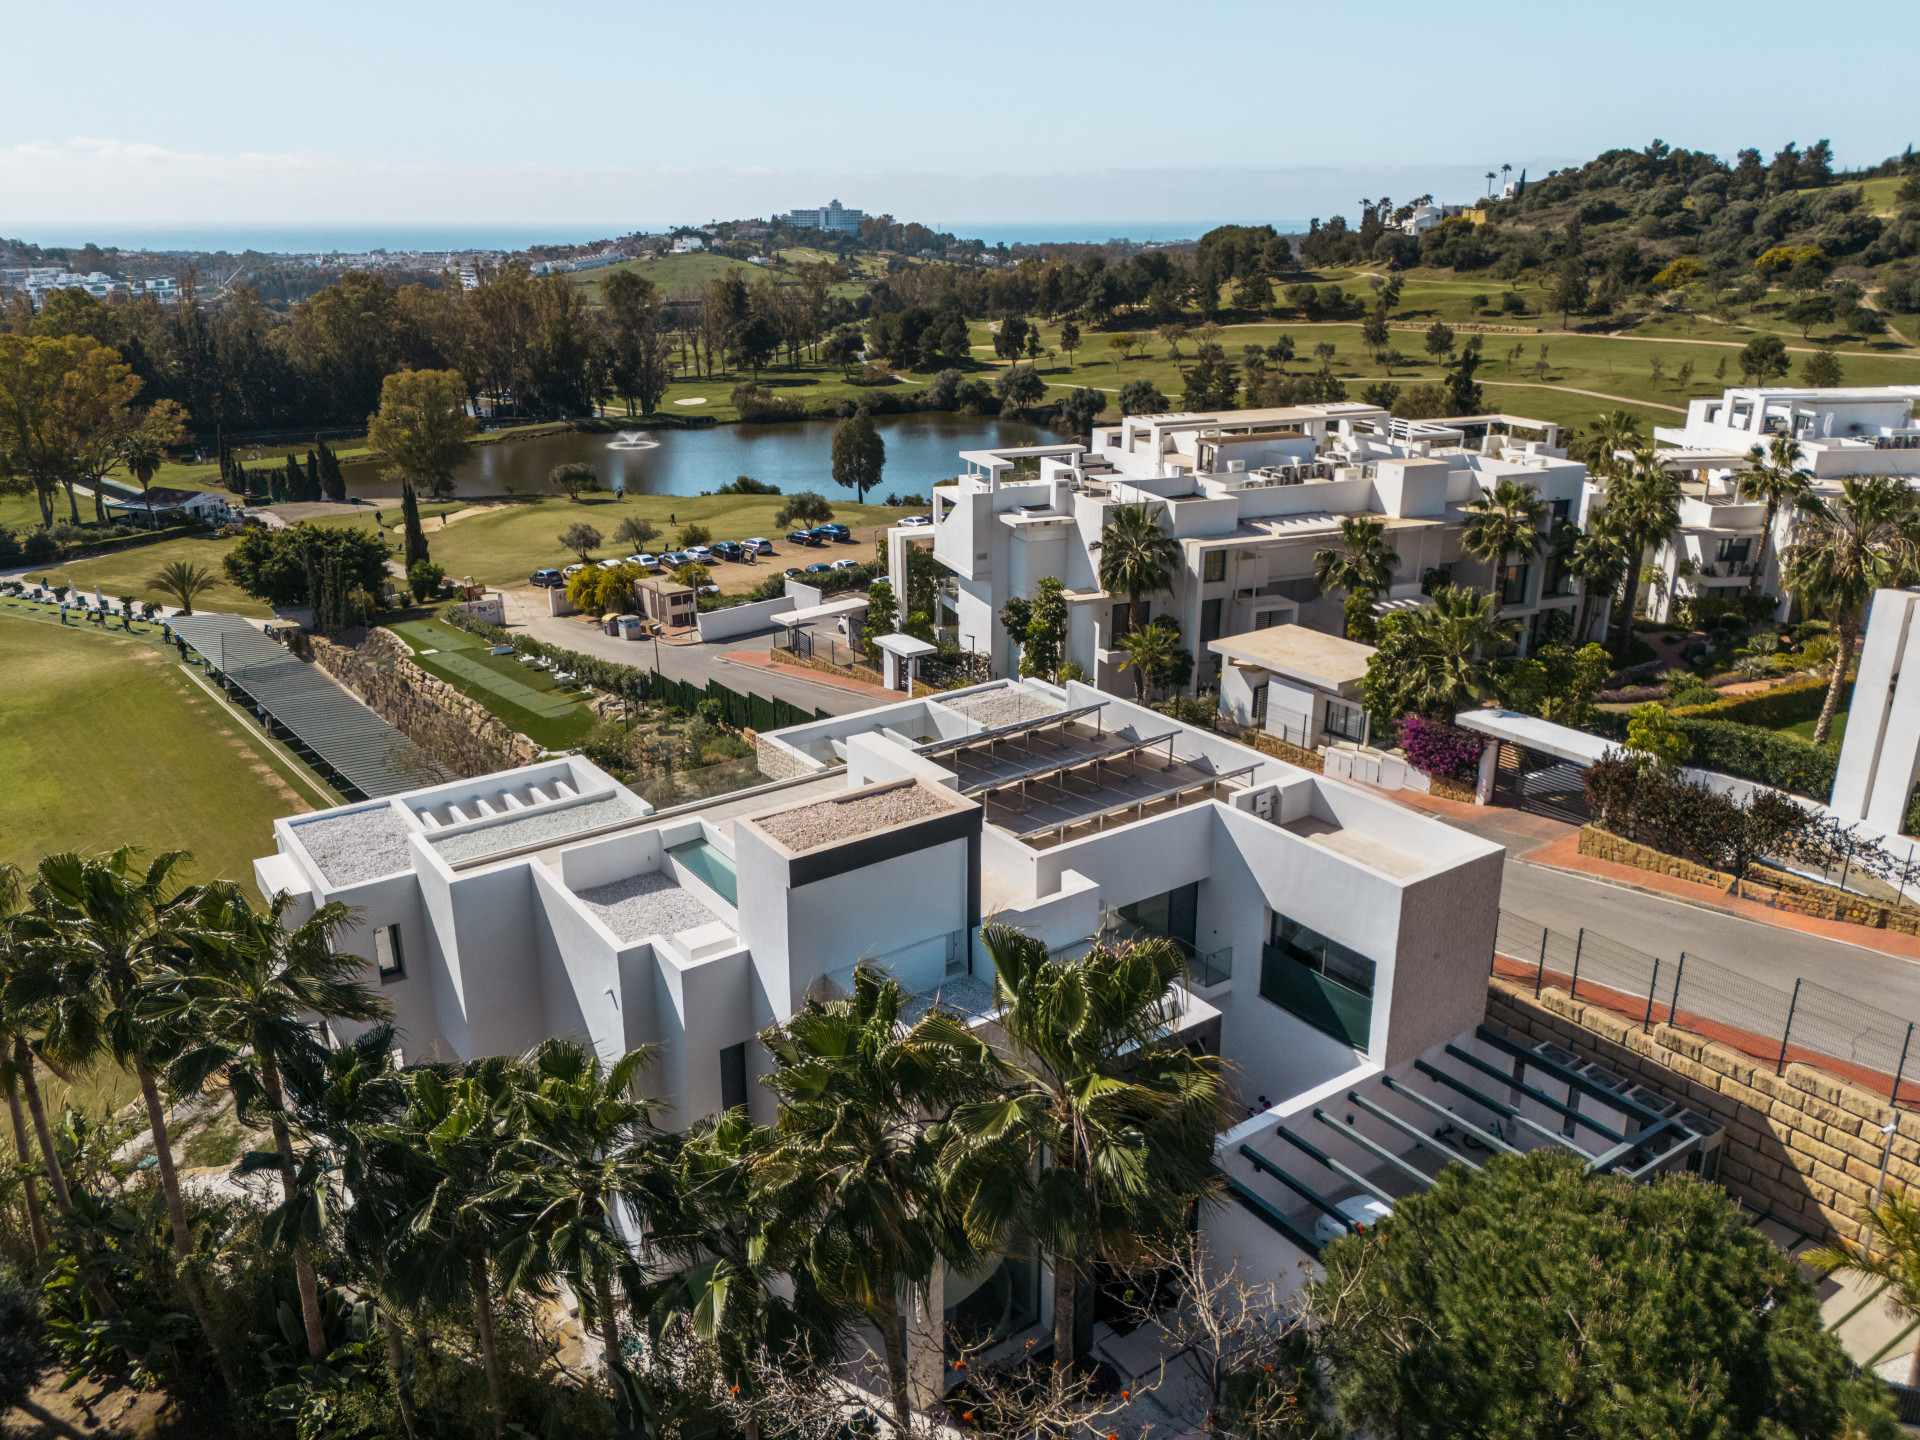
{"points": [[1267, 619], [1213, 567], [1209, 620], [387, 958], [1122, 623], [1320, 980], [1342, 721], [733, 1077], [1558, 513], [1513, 584], [1735, 551], [1260, 703], [957, 952]]}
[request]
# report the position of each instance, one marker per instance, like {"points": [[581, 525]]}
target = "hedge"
{"points": [[1765, 757], [1783, 705], [743, 712]]}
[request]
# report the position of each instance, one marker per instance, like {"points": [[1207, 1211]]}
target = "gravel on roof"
{"points": [[643, 905], [806, 827], [360, 845], [969, 995], [1008, 705], [541, 825]]}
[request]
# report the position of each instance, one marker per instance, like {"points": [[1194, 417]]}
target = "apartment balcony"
{"points": [[1722, 513]]}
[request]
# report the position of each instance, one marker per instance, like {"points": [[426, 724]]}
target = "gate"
{"points": [[1541, 784]]}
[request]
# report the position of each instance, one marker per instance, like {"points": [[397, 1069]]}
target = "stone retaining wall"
{"points": [[778, 763], [1281, 750], [458, 731], [1801, 1146]]}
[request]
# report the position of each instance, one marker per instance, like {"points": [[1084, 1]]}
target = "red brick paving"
{"points": [[825, 677]]}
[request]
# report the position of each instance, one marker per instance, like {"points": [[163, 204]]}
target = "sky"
{"points": [[622, 116]]}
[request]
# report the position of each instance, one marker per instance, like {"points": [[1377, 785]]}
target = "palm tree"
{"points": [[1137, 557], [860, 1097], [1363, 568], [587, 1144], [1149, 651], [1845, 549], [105, 923], [16, 1058], [1774, 475], [142, 453], [1596, 556], [1440, 657], [1504, 524], [1891, 1256], [1644, 506], [184, 581], [1102, 1136], [1616, 431], [246, 991]]}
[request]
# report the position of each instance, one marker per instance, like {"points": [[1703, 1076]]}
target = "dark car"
{"points": [[804, 537], [729, 550], [549, 579], [832, 532], [819, 569], [795, 572]]}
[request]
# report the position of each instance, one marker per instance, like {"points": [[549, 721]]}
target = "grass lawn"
{"points": [[524, 696], [130, 572], [1805, 729], [109, 742]]}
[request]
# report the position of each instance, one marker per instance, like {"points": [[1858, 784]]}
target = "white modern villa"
{"points": [[1866, 430], [1338, 944], [1250, 496]]}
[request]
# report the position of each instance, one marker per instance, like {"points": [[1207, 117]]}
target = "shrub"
{"points": [[1783, 705], [39, 547], [1436, 748], [1747, 751], [424, 579], [758, 404]]}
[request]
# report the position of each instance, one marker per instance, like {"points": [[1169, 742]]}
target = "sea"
{"points": [[326, 239]]}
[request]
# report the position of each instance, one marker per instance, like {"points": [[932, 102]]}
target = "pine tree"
{"points": [[416, 538]]}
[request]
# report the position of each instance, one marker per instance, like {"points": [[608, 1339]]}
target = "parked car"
{"points": [[759, 546], [794, 572], [700, 553], [832, 531], [644, 561], [572, 570], [819, 568], [730, 550], [847, 564], [917, 520], [611, 564], [674, 559], [547, 579], [804, 537]]}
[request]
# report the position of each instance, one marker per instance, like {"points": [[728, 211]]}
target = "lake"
{"points": [[921, 449]]}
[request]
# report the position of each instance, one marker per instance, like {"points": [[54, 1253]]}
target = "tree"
{"points": [[1655, 738], [1210, 380], [584, 1145], [581, 538], [1439, 341], [808, 507], [863, 1097], [1643, 508], [1122, 343], [1374, 333], [1597, 557], [1557, 682], [1773, 476], [1809, 311], [1648, 1310], [183, 581], [693, 575], [755, 342], [1844, 549], [1363, 567], [246, 989], [1137, 557], [859, 454], [636, 531], [573, 479], [1463, 392], [1891, 1255], [272, 565], [1102, 1135], [1069, 338], [105, 924], [1149, 653], [1020, 385], [1043, 641], [1082, 407], [1504, 524], [422, 427], [1821, 371], [1569, 292], [413, 538], [1762, 360], [1255, 291], [424, 579], [1617, 431], [1142, 397], [1437, 659], [144, 451]]}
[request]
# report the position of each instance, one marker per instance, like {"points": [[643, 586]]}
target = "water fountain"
{"points": [[633, 440]]}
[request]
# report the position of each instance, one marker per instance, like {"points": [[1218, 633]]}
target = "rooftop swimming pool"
{"points": [[711, 865]]}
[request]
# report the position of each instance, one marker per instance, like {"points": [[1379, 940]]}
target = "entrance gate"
{"points": [[1541, 784]]}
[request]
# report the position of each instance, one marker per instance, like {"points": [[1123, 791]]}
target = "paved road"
{"points": [[1773, 956], [694, 663]]}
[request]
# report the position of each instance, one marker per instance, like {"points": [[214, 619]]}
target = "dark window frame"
{"points": [[391, 965]]}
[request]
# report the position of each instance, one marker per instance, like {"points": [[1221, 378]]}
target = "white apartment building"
{"points": [[834, 216], [1866, 430], [1250, 496], [1338, 944]]}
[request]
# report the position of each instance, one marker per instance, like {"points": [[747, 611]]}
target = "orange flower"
{"points": [[1125, 1395], [959, 1364], [736, 1389]]}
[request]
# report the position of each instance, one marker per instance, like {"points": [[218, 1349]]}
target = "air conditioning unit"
{"points": [[1264, 803]]}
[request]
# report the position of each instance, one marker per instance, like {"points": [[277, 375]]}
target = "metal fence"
{"points": [[806, 645], [1847, 1037]]}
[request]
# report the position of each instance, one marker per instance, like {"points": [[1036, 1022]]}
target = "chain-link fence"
{"points": [[1849, 1038]]}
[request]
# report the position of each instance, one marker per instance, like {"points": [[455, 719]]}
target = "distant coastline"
{"points": [[237, 238]]}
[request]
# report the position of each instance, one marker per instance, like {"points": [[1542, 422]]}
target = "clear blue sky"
{"points": [[986, 111]]}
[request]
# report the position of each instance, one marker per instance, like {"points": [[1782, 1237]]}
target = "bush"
{"points": [[1772, 709], [1747, 751], [757, 404], [424, 579], [1436, 748], [39, 547]]}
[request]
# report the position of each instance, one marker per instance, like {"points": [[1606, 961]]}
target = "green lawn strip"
{"points": [[522, 696], [509, 689], [555, 732], [108, 744], [1804, 729], [432, 635]]}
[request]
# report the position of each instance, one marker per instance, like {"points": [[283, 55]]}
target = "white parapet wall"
{"points": [[1880, 756], [737, 620]]}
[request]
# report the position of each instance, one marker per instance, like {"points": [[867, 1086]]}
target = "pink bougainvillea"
{"points": [[1440, 749]]}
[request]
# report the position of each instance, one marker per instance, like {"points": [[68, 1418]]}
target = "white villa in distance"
{"points": [[1338, 944], [1863, 430], [1250, 495]]}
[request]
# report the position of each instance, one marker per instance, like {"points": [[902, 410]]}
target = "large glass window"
{"points": [[1513, 584], [1214, 567], [1320, 980], [1342, 721]]}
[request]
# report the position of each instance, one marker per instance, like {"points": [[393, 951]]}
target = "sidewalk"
{"points": [[824, 677]]}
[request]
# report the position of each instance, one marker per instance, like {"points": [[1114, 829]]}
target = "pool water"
{"points": [[710, 865]]}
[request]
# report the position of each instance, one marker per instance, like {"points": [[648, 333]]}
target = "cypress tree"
{"points": [[416, 538], [313, 491], [332, 481], [295, 480]]}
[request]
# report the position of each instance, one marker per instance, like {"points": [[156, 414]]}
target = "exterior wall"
{"points": [[740, 619]]}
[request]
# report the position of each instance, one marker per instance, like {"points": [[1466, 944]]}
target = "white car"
{"points": [[610, 564], [759, 546], [845, 565], [572, 570], [1363, 1212], [700, 553], [916, 521], [644, 561]]}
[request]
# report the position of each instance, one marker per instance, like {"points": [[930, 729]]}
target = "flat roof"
{"points": [[817, 612], [1534, 733], [907, 647], [1293, 650]]}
